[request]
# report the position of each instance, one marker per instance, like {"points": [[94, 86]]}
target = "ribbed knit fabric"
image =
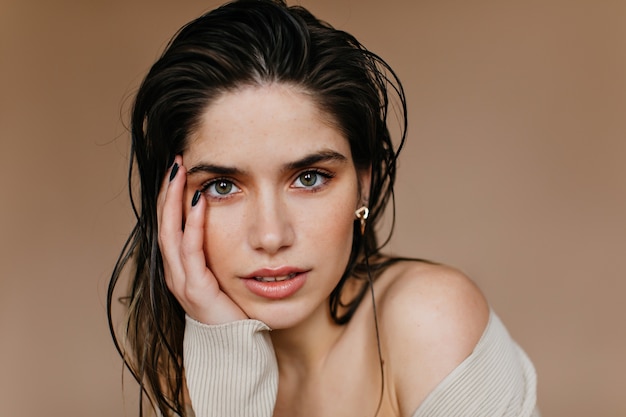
{"points": [[496, 380], [231, 371]]}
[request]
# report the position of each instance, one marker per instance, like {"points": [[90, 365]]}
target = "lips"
{"points": [[276, 283]]}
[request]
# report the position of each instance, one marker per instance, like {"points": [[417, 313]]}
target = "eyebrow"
{"points": [[308, 160], [316, 158]]}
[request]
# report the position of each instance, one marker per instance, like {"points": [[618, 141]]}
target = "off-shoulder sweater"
{"points": [[231, 371]]}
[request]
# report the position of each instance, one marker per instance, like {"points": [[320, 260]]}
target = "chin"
{"points": [[283, 315]]}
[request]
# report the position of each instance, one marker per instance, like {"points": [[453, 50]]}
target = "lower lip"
{"points": [[276, 290]]}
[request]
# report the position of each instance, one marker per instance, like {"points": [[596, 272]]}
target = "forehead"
{"points": [[275, 120]]}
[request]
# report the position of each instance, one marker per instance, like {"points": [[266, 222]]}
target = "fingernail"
{"points": [[196, 198], [174, 171]]}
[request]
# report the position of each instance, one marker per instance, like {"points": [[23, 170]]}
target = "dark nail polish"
{"points": [[196, 198], [174, 171]]}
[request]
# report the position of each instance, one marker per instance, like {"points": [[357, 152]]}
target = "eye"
{"points": [[312, 179], [220, 188]]}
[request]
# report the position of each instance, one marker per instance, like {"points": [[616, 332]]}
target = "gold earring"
{"points": [[362, 214]]}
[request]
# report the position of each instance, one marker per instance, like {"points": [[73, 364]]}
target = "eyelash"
{"points": [[325, 178]]}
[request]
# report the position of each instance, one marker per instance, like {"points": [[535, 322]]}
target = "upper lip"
{"points": [[275, 272]]}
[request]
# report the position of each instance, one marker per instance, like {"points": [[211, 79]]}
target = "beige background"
{"points": [[515, 172]]}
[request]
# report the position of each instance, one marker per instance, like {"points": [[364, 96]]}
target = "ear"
{"points": [[364, 177]]}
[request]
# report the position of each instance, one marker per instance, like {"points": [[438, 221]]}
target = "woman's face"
{"points": [[281, 189]]}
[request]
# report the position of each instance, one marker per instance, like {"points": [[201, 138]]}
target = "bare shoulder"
{"points": [[430, 294], [432, 317]]}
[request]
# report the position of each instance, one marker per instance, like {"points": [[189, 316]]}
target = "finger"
{"points": [[170, 231], [170, 174], [199, 278]]}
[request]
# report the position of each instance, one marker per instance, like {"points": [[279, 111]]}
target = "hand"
{"points": [[185, 266]]}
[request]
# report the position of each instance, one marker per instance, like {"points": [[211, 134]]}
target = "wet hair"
{"points": [[245, 43]]}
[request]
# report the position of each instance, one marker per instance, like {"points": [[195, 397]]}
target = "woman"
{"points": [[262, 131]]}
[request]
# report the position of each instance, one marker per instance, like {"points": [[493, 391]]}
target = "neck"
{"points": [[305, 347]]}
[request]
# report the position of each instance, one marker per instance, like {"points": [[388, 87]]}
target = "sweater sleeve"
{"points": [[496, 380], [230, 369]]}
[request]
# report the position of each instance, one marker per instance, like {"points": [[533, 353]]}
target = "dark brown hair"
{"points": [[247, 42]]}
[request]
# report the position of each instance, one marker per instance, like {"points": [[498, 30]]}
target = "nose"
{"points": [[271, 227]]}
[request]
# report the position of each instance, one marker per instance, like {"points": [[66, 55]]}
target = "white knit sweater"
{"points": [[231, 371]]}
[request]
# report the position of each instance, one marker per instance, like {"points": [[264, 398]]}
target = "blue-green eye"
{"points": [[311, 179], [308, 179], [221, 188]]}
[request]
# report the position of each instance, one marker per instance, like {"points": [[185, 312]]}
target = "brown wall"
{"points": [[515, 172]]}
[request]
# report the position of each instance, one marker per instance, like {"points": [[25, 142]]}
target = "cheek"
{"points": [[331, 229], [222, 240]]}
